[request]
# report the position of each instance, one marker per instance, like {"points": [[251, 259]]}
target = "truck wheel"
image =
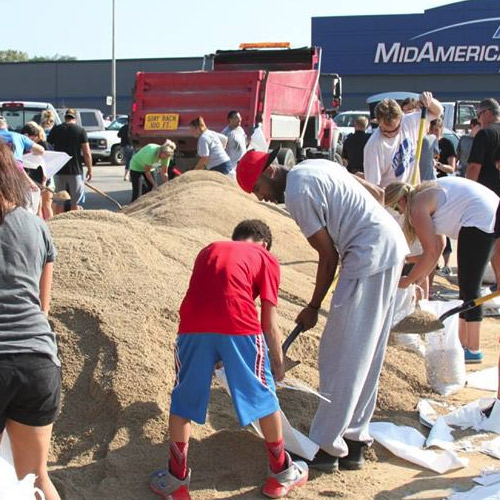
{"points": [[117, 157], [286, 157]]}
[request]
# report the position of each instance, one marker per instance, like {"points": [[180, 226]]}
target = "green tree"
{"points": [[13, 56], [20, 56]]}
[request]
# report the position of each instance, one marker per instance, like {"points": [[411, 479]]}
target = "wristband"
{"points": [[310, 306]]}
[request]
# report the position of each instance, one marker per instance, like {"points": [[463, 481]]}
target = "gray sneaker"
{"points": [[168, 487], [280, 484]]}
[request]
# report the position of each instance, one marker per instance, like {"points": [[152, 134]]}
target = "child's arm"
{"points": [[269, 321]]}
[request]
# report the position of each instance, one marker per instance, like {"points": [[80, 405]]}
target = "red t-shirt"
{"points": [[227, 278]]}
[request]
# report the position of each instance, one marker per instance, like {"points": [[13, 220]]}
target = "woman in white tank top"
{"points": [[456, 208]]}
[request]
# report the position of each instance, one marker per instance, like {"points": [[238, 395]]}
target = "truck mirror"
{"points": [[336, 86]]}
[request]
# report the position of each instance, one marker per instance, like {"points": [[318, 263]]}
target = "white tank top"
{"points": [[464, 203]]}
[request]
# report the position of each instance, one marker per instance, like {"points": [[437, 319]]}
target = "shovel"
{"points": [[290, 363], [102, 193], [415, 178], [59, 196], [432, 325]]}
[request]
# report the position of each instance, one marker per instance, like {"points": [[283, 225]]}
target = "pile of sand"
{"points": [[119, 280]]}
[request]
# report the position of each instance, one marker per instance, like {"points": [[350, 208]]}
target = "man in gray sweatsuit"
{"points": [[340, 217]]}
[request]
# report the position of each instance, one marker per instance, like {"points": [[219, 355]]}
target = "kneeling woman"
{"points": [[29, 367], [460, 209]]}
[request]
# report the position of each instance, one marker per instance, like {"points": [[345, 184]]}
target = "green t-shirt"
{"points": [[148, 155]]}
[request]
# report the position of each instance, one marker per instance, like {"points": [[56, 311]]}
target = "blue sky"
{"points": [[167, 28]]}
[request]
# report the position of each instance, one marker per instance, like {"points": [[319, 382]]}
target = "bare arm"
{"points": [[449, 167], [46, 287], [376, 191], [163, 173], [434, 107], [432, 244], [36, 149], [473, 170], [87, 156], [148, 175], [202, 163], [269, 321], [327, 265]]}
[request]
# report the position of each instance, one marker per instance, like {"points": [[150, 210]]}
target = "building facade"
{"points": [[453, 50]]}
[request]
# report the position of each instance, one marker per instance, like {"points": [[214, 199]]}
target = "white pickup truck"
{"points": [[105, 144]]}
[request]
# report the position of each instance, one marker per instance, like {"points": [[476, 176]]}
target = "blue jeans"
{"points": [[223, 168]]}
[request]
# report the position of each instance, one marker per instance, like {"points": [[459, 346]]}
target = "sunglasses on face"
{"points": [[479, 113]]}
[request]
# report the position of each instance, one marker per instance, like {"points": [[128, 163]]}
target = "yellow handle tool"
{"points": [[415, 178]]}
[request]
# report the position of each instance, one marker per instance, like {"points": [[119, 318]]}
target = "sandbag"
{"points": [[10, 487], [405, 303], [444, 355]]}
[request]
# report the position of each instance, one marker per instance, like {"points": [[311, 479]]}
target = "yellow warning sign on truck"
{"points": [[161, 121]]}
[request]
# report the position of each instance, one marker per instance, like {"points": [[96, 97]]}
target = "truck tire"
{"points": [[286, 157], [117, 157]]}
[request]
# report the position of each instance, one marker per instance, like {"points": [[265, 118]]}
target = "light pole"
{"points": [[113, 66]]}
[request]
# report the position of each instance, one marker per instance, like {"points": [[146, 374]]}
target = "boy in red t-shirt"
{"points": [[219, 322]]}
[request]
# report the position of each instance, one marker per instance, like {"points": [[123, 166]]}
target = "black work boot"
{"points": [[355, 459], [323, 462]]}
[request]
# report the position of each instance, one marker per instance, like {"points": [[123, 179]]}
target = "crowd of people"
{"points": [[363, 219]]}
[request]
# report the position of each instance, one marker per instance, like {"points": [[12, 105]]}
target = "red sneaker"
{"points": [[280, 484], [168, 487]]}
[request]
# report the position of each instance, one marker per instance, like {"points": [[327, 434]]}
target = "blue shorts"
{"points": [[248, 372]]}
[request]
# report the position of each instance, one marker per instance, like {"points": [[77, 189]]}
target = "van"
{"points": [[18, 113], [92, 120]]}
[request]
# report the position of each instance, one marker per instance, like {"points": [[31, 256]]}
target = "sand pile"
{"points": [[119, 281]]}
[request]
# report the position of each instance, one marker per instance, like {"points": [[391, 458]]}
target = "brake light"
{"points": [[134, 107], [13, 105]]}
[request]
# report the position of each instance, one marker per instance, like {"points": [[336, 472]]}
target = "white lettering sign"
{"points": [[400, 54]]}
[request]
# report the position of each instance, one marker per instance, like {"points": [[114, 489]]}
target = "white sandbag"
{"points": [[405, 302], [10, 487], [444, 355], [489, 275], [491, 307]]}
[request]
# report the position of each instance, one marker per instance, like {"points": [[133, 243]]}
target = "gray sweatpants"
{"points": [[351, 355]]}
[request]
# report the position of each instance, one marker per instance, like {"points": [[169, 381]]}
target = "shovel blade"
{"points": [[290, 363]]}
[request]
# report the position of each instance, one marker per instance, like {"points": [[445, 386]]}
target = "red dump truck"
{"points": [[276, 89]]}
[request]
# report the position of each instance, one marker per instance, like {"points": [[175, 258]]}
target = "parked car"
{"points": [[90, 119], [345, 122], [18, 113], [105, 144]]}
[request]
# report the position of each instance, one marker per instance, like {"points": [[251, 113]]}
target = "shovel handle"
{"points": [[470, 304], [415, 179], [293, 335]]}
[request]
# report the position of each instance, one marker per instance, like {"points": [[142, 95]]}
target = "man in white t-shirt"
{"points": [[389, 154], [343, 222], [236, 138]]}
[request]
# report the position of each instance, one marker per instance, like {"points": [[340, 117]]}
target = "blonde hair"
{"points": [[198, 122], [168, 147], [47, 119], [42, 136], [397, 191], [388, 110]]}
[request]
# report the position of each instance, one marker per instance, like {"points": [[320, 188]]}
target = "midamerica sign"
{"points": [[458, 38], [398, 53]]}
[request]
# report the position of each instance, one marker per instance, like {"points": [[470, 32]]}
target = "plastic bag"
{"points": [[405, 303], [444, 355], [10, 487]]}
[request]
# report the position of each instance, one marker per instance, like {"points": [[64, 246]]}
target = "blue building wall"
{"points": [[453, 50]]}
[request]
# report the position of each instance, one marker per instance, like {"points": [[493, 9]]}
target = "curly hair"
{"points": [[253, 229]]}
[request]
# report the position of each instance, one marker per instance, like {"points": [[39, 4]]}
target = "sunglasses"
{"points": [[479, 113]]}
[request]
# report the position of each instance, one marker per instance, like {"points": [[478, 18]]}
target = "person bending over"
{"points": [[219, 323]]}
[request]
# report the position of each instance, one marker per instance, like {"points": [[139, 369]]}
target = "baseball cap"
{"points": [[251, 166], [71, 113]]}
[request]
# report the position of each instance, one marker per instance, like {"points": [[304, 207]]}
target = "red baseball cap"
{"points": [[251, 166]]}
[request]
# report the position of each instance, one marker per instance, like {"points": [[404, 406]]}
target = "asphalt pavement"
{"points": [[108, 178]]}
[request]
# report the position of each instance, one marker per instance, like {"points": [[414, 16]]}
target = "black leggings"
{"points": [[137, 187], [473, 254]]}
